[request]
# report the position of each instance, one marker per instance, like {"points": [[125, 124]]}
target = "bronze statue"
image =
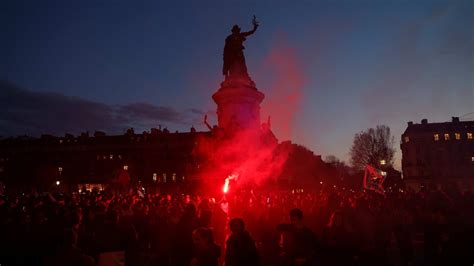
{"points": [[234, 60]]}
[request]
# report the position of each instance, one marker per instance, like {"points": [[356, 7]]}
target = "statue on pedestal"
{"points": [[238, 100], [234, 60]]}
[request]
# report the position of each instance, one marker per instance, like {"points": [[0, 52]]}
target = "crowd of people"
{"points": [[328, 227]]}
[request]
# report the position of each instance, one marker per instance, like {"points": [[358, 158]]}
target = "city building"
{"points": [[155, 157], [438, 153]]}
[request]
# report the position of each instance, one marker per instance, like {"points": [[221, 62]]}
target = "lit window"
{"points": [[382, 162], [457, 136], [446, 136], [384, 173], [111, 157], [174, 177], [472, 158], [436, 137], [155, 177], [164, 177], [125, 167], [60, 141], [407, 139], [469, 135]]}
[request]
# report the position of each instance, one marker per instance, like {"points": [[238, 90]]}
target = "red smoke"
{"points": [[283, 88], [253, 157], [249, 158]]}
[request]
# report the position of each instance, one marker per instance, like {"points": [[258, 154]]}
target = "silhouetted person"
{"points": [[234, 60], [111, 240], [303, 243], [206, 251], [205, 218], [68, 253], [338, 242], [183, 249], [219, 221], [240, 246]]}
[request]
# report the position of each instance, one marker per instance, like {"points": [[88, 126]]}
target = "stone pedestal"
{"points": [[238, 104]]}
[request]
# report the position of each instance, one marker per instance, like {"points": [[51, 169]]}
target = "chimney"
{"points": [[424, 121], [410, 123], [455, 119]]}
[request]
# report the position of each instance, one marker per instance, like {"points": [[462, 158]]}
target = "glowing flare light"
{"points": [[226, 185], [225, 189]]}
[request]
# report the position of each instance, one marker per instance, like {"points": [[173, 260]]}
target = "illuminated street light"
{"points": [[60, 171]]}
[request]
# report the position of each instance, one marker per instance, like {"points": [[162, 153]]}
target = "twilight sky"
{"points": [[329, 69]]}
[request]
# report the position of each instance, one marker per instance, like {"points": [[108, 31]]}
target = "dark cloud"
{"points": [[148, 112], [34, 113], [196, 111]]}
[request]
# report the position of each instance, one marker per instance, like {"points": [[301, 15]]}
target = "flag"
{"points": [[373, 179]]}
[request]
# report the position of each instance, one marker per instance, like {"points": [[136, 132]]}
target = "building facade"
{"points": [[438, 153], [156, 157]]}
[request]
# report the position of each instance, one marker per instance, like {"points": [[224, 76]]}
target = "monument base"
{"points": [[238, 104]]}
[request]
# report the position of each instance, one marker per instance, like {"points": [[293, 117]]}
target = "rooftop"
{"points": [[454, 125]]}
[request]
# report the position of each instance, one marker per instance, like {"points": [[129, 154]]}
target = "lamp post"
{"points": [[382, 166], [60, 171]]}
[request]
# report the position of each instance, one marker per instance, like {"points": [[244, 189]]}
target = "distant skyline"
{"points": [[329, 69]]}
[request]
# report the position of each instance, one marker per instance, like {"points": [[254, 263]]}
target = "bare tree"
{"points": [[374, 147]]}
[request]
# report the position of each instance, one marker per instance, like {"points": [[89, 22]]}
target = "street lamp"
{"points": [[60, 171]]}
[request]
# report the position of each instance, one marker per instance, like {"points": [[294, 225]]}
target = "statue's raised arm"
{"points": [[255, 26], [234, 60]]}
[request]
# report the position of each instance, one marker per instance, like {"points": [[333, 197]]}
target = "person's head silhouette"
{"points": [[236, 29]]}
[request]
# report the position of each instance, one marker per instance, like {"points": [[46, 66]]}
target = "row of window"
{"points": [[163, 178], [446, 136], [110, 157], [61, 141], [457, 136], [428, 161]]}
